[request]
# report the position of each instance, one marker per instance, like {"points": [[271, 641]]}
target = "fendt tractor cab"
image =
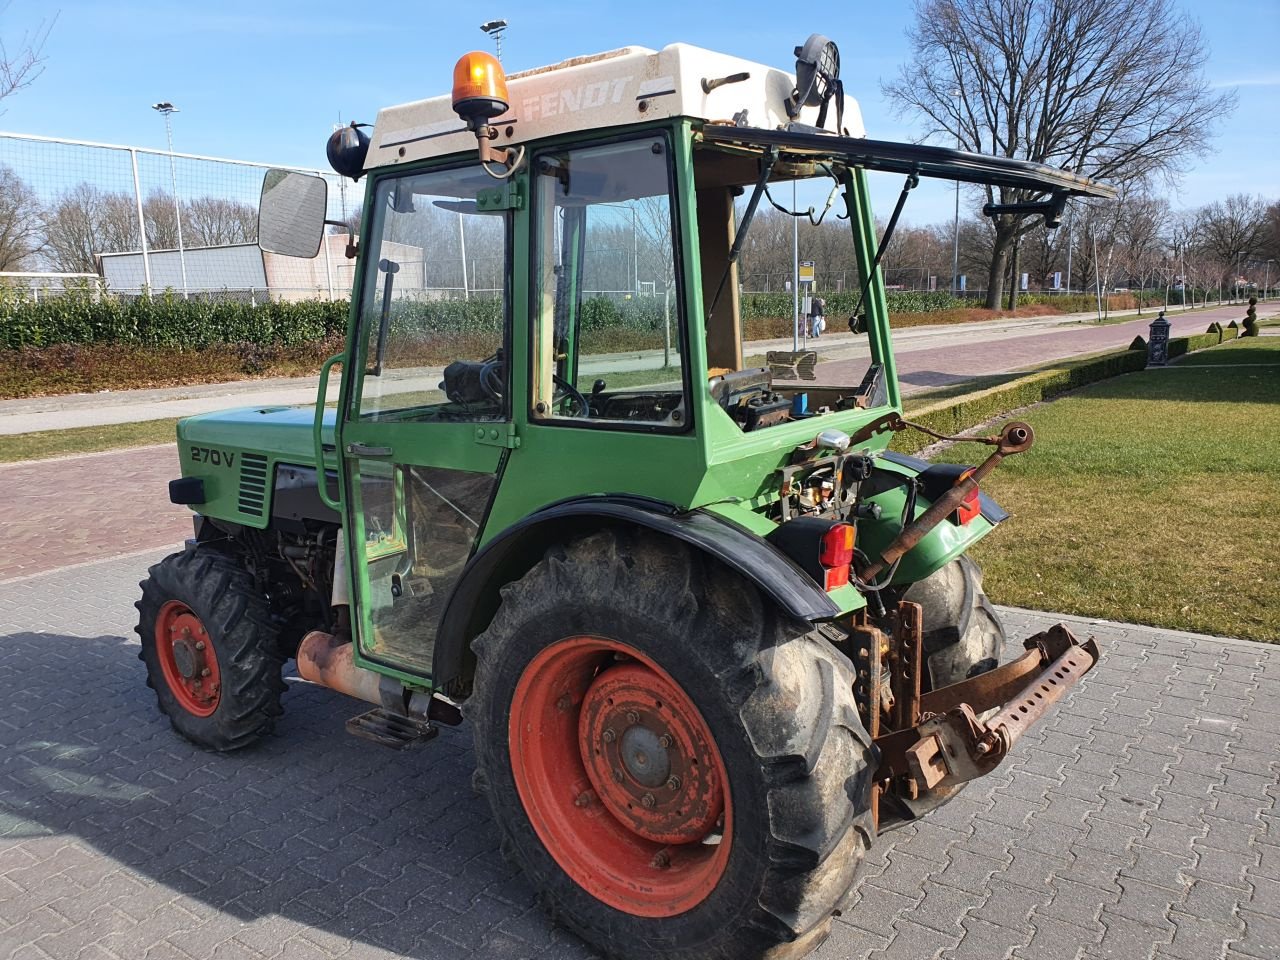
{"points": [[711, 635]]}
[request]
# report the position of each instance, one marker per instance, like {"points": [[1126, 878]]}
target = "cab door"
{"points": [[426, 420]]}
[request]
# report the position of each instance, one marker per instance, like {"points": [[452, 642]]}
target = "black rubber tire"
{"points": [[963, 636], [237, 617], [776, 697]]}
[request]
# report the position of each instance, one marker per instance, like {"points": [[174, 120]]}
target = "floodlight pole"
{"points": [[495, 29], [168, 110], [795, 274], [955, 230]]}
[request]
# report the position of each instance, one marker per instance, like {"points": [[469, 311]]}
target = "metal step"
{"points": [[391, 729]]}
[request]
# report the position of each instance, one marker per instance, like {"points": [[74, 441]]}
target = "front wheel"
{"points": [[680, 772], [211, 652]]}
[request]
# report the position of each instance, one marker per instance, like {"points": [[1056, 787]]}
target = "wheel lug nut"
{"points": [[664, 741], [661, 860], [674, 783], [608, 736], [647, 801], [563, 703], [584, 799], [199, 644], [617, 775], [204, 672], [633, 717]]}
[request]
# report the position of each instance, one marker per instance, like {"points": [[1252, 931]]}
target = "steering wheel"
{"points": [[567, 389]]}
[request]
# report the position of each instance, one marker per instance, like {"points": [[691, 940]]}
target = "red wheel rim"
{"points": [[187, 659], [621, 777]]}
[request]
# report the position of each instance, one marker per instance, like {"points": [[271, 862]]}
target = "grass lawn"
{"points": [[61, 443], [1151, 498]]}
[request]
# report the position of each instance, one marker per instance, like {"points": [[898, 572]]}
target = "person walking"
{"points": [[817, 317]]}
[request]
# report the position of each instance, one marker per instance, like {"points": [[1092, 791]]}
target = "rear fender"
{"points": [[943, 543], [517, 549]]}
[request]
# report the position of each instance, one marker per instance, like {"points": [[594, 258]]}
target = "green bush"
{"points": [[166, 320]]}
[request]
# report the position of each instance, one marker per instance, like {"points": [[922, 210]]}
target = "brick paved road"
{"points": [[926, 364], [1138, 821], [77, 509]]}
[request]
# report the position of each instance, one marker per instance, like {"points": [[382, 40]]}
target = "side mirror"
{"points": [[291, 213]]}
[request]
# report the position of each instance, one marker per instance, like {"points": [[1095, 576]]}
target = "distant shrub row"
{"points": [[163, 321], [167, 320], [963, 413]]}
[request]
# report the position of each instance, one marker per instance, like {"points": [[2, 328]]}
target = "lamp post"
{"points": [[495, 29], [1266, 287], [167, 110], [955, 229]]}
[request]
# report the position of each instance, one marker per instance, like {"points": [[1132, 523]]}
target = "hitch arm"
{"points": [[1015, 438]]}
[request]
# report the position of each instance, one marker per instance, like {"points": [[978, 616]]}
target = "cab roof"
{"points": [[611, 89]]}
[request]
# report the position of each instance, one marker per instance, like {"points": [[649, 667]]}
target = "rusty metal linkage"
{"points": [[1014, 438], [950, 745]]}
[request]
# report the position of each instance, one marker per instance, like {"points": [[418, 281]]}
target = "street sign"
{"points": [[806, 271]]}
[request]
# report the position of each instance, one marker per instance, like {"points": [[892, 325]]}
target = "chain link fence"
{"points": [[76, 215]]}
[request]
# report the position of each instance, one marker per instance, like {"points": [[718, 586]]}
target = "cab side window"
{"points": [[608, 340]]}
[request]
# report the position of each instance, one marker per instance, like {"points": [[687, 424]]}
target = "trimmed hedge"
{"points": [[964, 413], [163, 321], [954, 416]]}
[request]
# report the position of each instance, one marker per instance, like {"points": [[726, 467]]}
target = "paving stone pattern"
{"points": [[85, 508], [1138, 821]]}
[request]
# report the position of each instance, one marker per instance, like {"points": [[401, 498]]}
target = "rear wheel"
{"points": [[963, 636], [680, 771], [211, 653]]}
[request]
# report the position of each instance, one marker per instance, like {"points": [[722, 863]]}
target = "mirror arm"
{"points": [[353, 246]]}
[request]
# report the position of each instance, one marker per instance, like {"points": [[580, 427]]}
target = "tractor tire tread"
{"points": [[790, 691], [224, 595]]}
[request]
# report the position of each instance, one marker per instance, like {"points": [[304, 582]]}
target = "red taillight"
{"points": [[970, 506], [836, 555]]}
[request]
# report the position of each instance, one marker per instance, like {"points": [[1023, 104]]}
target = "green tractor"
{"points": [[711, 635]]}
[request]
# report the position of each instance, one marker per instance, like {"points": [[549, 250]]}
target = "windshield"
{"points": [[434, 301]]}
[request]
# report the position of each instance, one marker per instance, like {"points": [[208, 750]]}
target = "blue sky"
{"points": [[266, 81]]}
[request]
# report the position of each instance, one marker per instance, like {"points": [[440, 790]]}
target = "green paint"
{"points": [[705, 461]]}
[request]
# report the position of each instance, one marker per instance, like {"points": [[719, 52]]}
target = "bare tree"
{"points": [[215, 221], [21, 64], [1231, 231], [19, 221], [71, 229], [1142, 226], [161, 221], [1112, 89]]}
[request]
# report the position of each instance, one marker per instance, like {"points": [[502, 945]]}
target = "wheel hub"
{"points": [[187, 659], [184, 656], [658, 777], [644, 757]]}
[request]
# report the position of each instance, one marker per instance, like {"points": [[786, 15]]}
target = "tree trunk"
{"points": [[1000, 250]]}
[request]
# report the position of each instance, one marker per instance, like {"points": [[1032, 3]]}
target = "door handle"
{"points": [[363, 450]]}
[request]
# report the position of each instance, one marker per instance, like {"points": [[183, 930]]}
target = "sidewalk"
{"points": [[928, 356]]}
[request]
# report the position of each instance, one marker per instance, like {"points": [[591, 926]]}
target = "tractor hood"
{"points": [[283, 434], [241, 456]]}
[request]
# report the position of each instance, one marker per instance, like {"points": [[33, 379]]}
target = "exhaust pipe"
{"points": [[330, 661]]}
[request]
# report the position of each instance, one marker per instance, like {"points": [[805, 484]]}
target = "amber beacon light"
{"points": [[479, 89], [479, 95]]}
